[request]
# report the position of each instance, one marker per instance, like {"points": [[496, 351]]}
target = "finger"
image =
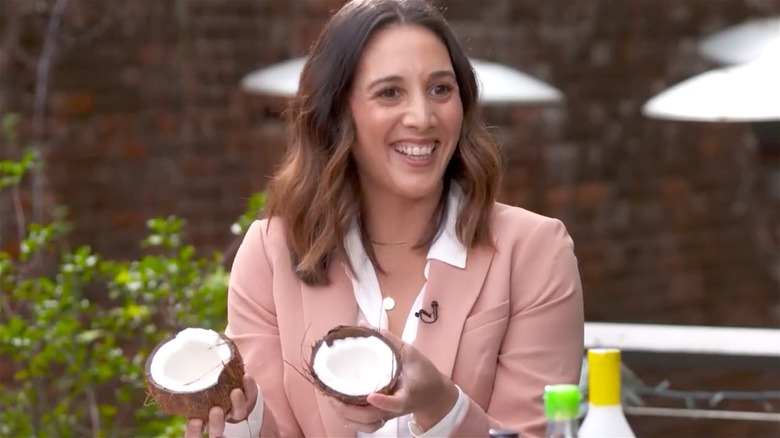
{"points": [[216, 422], [239, 406], [395, 403], [194, 428], [243, 402], [250, 389], [360, 415]]}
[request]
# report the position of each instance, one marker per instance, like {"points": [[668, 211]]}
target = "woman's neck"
{"points": [[392, 220]]}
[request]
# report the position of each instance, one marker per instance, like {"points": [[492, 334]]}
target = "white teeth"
{"points": [[416, 151]]}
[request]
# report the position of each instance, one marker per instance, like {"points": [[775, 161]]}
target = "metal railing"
{"points": [[696, 345]]}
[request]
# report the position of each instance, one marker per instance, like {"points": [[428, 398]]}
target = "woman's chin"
{"points": [[419, 191]]}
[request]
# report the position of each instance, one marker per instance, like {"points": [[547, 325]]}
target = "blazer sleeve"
{"points": [[544, 339], [252, 324]]}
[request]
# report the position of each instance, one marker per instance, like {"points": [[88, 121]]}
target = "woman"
{"points": [[388, 196]]}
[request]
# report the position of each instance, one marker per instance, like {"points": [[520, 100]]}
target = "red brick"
{"points": [[558, 197], [593, 194], [74, 104], [133, 150]]}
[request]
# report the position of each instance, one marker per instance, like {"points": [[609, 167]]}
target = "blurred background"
{"points": [[135, 116]]}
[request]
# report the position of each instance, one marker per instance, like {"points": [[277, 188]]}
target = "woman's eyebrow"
{"points": [[396, 78]]}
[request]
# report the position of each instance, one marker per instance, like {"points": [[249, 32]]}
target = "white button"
{"points": [[388, 303]]}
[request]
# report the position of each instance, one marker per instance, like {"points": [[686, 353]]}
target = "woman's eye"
{"points": [[441, 90], [389, 93]]}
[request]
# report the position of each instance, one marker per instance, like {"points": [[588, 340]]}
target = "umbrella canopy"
{"points": [[499, 84], [742, 93], [277, 80], [502, 84], [744, 42]]}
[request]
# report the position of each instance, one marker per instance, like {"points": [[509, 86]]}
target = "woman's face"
{"points": [[407, 113]]}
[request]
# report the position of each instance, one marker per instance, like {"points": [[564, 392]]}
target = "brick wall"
{"points": [[146, 118]]}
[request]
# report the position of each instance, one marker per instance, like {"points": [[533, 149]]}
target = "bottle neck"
{"points": [[604, 384], [562, 428]]}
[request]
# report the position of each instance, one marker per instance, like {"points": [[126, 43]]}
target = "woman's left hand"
{"points": [[422, 390]]}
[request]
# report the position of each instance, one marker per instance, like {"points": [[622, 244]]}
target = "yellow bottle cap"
{"points": [[604, 376]]}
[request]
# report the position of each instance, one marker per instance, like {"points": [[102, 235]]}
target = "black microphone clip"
{"points": [[429, 318]]}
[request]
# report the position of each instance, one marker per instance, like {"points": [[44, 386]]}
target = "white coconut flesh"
{"points": [[355, 365], [191, 361]]}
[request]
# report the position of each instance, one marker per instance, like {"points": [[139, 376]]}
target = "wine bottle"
{"points": [[561, 407], [605, 417]]}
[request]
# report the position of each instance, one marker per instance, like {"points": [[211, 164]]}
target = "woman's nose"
{"points": [[419, 114]]}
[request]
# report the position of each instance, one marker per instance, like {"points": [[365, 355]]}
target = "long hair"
{"points": [[316, 193]]}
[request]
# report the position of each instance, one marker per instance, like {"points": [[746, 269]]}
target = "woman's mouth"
{"points": [[415, 151]]}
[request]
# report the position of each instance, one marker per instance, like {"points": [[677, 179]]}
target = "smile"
{"points": [[415, 150]]}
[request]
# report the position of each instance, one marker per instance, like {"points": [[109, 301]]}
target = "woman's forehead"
{"points": [[403, 51]]}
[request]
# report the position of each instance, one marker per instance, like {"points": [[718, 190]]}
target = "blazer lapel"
{"points": [[325, 308], [455, 290]]}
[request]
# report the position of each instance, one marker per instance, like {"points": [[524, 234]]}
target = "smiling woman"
{"points": [[387, 195], [378, 68]]}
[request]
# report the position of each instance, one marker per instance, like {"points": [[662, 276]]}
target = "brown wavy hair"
{"points": [[316, 192]]}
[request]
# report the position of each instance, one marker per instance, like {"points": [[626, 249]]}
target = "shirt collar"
{"points": [[446, 247]]}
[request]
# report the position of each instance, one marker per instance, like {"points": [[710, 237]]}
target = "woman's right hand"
{"points": [[243, 404]]}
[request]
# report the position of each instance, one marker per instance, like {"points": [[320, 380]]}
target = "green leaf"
{"points": [[108, 410], [254, 206], [10, 121], [22, 375], [135, 312], [89, 336]]}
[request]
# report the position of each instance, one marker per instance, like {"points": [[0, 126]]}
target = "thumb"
{"points": [[389, 403]]}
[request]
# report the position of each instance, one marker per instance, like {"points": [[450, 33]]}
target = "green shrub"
{"points": [[76, 327]]}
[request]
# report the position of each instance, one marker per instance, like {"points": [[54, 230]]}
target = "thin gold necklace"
{"points": [[399, 242]]}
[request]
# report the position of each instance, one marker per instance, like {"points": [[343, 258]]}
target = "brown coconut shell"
{"points": [[197, 404], [348, 331]]}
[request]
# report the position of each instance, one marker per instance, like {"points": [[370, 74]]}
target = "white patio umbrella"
{"points": [[499, 84], [742, 93], [742, 43], [277, 80]]}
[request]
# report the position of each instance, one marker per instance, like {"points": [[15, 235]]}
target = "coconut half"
{"points": [[351, 362], [189, 373]]}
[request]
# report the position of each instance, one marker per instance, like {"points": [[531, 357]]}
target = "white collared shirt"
{"points": [[446, 248]]}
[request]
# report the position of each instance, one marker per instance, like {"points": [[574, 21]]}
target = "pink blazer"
{"points": [[509, 323]]}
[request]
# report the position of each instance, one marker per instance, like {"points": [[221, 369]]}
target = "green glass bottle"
{"points": [[562, 406]]}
